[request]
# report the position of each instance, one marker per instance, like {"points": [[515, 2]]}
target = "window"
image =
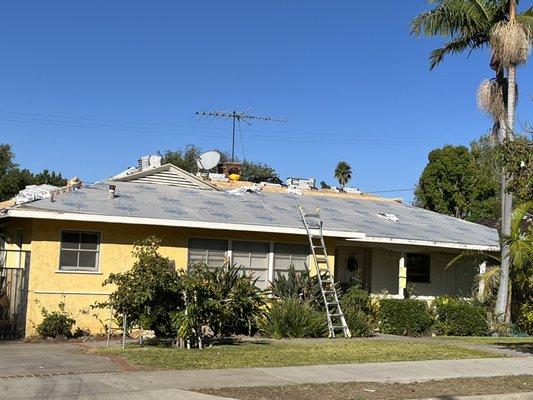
{"points": [[418, 267], [253, 257], [286, 254], [79, 251], [211, 252]]}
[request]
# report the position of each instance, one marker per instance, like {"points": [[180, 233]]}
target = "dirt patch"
{"points": [[385, 391]]}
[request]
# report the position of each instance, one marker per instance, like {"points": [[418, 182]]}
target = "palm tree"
{"points": [[343, 173], [471, 25]]}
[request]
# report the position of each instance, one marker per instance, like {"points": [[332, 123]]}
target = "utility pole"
{"points": [[236, 117]]}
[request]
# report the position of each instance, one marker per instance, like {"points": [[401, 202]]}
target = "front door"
{"points": [[350, 264]]}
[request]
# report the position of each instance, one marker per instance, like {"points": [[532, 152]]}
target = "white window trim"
{"points": [[77, 270]]}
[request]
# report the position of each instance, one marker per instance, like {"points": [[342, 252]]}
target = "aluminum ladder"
{"points": [[335, 316]]}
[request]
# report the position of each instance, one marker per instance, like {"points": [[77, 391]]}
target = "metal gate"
{"points": [[14, 274]]}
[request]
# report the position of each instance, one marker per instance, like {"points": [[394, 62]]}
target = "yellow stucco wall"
{"points": [[48, 286]]}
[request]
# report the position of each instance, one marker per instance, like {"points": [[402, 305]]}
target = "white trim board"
{"points": [[428, 243], [349, 236], [53, 215]]}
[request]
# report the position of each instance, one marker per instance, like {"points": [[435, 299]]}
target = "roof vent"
{"points": [[388, 216]]}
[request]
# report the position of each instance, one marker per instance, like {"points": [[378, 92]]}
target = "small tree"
{"points": [[149, 291], [343, 173]]}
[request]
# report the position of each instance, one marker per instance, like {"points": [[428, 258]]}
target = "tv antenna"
{"points": [[236, 116]]}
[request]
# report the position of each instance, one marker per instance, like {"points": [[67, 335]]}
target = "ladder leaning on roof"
{"points": [[335, 316]]}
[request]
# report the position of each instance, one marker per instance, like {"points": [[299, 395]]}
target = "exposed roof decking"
{"points": [[263, 211]]}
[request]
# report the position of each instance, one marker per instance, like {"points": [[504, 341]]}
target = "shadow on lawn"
{"points": [[521, 347]]}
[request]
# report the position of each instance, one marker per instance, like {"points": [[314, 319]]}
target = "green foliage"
{"points": [[459, 317], [297, 285], [359, 310], [13, 179], [224, 299], [457, 182], [186, 159], [343, 173], [149, 291], [55, 323], [517, 159], [294, 318], [466, 22], [407, 317]]}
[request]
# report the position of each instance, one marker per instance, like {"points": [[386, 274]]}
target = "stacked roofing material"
{"points": [[34, 192]]}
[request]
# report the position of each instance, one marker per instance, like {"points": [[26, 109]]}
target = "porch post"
{"points": [[402, 276], [481, 286], [270, 264]]}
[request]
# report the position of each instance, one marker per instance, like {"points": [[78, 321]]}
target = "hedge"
{"points": [[458, 317], [406, 317]]}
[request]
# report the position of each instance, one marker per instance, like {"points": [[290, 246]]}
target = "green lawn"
{"points": [[290, 353], [524, 344]]}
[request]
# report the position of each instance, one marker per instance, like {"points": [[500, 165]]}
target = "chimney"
{"points": [[112, 189]]}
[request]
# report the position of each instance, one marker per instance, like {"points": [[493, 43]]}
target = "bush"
{"points": [[360, 324], [458, 317], [148, 292], [406, 317], [294, 318], [297, 285], [224, 298], [359, 311], [56, 323]]}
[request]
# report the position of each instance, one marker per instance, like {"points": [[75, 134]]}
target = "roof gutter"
{"points": [[54, 215]]}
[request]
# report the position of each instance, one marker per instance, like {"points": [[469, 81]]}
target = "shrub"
{"points": [[359, 311], [297, 285], [294, 318], [360, 324], [458, 317], [224, 298], [148, 292], [407, 317], [56, 323]]}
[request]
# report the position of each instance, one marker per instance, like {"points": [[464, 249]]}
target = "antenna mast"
{"points": [[236, 116]]}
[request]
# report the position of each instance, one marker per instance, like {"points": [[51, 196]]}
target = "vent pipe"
{"points": [[112, 190]]}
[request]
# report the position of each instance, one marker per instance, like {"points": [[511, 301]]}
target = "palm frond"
{"points": [[526, 18], [456, 17], [486, 283], [474, 255], [456, 46], [519, 212]]}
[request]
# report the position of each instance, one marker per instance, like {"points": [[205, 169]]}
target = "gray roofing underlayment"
{"points": [[268, 209]]}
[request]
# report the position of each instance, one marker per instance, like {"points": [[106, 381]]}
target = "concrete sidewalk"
{"points": [[116, 384]]}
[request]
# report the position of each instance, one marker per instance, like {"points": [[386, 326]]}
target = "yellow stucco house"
{"points": [[62, 248]]}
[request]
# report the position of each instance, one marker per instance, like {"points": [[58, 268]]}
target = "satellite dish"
{"points": [[208, 160]]}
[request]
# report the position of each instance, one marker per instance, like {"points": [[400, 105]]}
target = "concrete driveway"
{"points": [[38, 359]]}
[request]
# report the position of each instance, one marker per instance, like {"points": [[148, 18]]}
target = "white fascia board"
{"points": [[428, 243], [54, 215]]}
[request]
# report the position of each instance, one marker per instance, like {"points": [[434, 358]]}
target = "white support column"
{"points": [[402, 276], [481, 287], [229, 253], [271, 264]]}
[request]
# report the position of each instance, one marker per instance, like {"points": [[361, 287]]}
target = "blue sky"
{"points": [[88, 87]]}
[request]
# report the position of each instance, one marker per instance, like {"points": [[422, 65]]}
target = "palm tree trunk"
{"points": [[507, 199]]}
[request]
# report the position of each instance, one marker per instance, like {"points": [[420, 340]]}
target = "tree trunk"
{"points": [[502, 300]]}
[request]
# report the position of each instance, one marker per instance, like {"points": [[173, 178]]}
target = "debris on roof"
{"points": [[302, 183], [388, 216]]}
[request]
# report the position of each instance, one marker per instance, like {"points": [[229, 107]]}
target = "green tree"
{"points": [[13, 179], [186, 159], [343, 173], [452, 183], [472, 24]]}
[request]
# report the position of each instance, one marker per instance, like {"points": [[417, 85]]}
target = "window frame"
{"points": [[284, 270], [423, 278], [250, 269], [74, 269], [227, 252]]}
